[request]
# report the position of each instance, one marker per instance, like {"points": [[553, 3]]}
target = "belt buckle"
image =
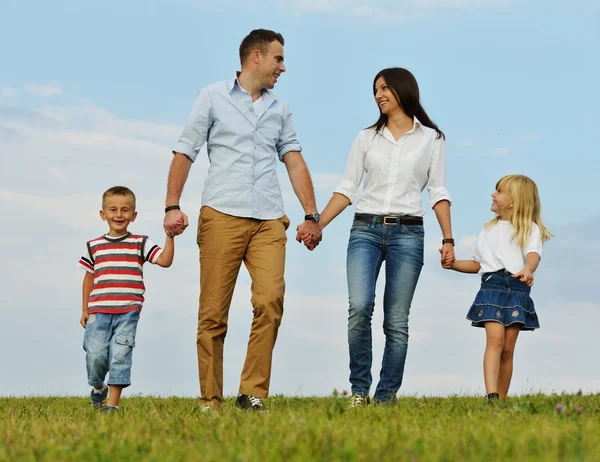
{"points": [[387, 223]]}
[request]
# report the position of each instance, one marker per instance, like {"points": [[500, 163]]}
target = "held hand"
{"points": [[525, 276], [84, 318], [175, 222], [447, 256], [310, 233]]}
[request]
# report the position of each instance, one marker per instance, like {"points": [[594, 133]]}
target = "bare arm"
{"points": [[88, 284], [442, 213], [165, 259], [335, 206], [466, 266], [175, 220], [301, 181], [532, 261], [303, 187]]}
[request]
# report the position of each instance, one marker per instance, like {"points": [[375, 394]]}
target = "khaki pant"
{"points": [[225, 242]]}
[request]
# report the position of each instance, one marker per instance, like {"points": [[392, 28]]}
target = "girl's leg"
{"points": [[506, 360], [494, 333]]}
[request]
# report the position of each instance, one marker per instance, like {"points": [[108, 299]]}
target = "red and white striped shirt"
{"points": [[116, 263]]}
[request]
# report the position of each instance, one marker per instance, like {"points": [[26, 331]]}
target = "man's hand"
{"points": [[84, 318], [175, 222], [525, 276], [310, 233], [447, 256]]}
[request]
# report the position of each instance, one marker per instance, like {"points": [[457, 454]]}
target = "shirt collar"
{"points": [[234, 83], [417, 125]]}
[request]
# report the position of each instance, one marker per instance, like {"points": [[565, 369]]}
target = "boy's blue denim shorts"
{"points": [[505, 300], [108, 341]]}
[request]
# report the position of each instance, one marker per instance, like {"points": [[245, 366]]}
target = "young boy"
{"points": [[113, 294]]}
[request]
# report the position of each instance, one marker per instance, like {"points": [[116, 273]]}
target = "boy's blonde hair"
{"points": [[119, 191], [526, 205]]}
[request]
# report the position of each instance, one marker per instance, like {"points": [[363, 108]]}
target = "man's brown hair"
{"points": [[258, 39]]}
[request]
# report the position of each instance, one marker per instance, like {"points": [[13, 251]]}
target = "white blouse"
{"points": [[496, 249], [396, 171]]}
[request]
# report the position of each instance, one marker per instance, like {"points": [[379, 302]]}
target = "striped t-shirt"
{"points": [[116, 263]]}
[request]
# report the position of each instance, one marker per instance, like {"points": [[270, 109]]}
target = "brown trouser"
{"points": [[224, 242]]}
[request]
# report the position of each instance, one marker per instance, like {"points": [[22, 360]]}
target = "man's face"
{"points": [[271, 65]]}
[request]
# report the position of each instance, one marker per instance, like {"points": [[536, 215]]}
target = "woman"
{"points": [[401, 154]]}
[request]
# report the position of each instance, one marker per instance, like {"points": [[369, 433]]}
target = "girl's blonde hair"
{"points": [[526, 206]]}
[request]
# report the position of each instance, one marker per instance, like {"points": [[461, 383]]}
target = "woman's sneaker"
{"points": [[98, 397], [359, 401]]}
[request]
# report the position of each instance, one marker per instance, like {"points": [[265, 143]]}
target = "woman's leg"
{"points": [[364, 259], [494, 333], [506, 359], [403, 264]]}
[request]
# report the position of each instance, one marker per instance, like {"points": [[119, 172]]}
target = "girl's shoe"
{"points": [[492, 397]]}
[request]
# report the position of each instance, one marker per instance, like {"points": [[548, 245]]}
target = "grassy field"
{"points": [[536, 427]]}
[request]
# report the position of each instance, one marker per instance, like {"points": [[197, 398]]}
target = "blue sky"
{"points": [[93, 95]]}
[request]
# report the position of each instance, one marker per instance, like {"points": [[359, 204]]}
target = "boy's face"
{"points": [[118, 211]]}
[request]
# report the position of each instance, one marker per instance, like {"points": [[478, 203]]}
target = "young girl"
{"points": [[507, 254]]}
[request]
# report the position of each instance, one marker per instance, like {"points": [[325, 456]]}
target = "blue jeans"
{"points": [[108, 342], [401, 247]]}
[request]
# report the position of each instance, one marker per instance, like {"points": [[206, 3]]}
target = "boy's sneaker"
{"points": [[359, 401], [249, 402], [492, 397], [98, 397], [109, 409]]}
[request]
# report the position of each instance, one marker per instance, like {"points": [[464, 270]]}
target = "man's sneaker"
{"points": [[98, 398], [109, 409], [250, 402], [492, 397], [359, 401]]}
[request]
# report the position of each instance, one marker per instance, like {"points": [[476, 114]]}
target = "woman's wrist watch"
{"points": [[448, 240], [314, 217]]}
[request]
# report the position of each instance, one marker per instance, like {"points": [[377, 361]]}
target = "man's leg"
{"points": [[265, 260], [222, 241]]}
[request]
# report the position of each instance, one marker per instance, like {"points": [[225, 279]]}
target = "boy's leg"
{"points": [[121, 353], [506, 360], [265, 261], [96, 342], [222, 241], [494, 332]]}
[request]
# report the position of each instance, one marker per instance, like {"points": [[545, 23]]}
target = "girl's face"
{"points": [[501, 204]]}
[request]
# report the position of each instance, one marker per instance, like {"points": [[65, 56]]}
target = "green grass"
{"points": [[416, 429]]}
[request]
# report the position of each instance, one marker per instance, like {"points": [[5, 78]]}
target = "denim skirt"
{"points": [[503, 299]]}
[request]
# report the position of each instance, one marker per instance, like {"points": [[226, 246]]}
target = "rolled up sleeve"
{"points": [[436, 184], [288, 140], [196, 128], [354, 170]]}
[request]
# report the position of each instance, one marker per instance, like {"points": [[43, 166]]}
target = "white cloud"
{"points": [[500, 151], [7, 92], [44, 90], [377, 10]]}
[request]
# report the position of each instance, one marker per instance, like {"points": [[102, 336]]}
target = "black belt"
{"points": [[389, 221]]}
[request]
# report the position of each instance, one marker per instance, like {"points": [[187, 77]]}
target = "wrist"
{"points": [[168, 208], [448, 240]]}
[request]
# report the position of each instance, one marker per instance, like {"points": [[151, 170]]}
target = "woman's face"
{"points": [[384, 98]]}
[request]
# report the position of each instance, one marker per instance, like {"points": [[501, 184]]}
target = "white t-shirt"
{"points": [[496, 249]]}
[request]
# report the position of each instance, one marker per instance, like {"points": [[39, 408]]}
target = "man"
{"points": [[242, 217]]}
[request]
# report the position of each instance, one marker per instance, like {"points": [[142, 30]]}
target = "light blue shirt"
{"points": [[243, 143]]}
